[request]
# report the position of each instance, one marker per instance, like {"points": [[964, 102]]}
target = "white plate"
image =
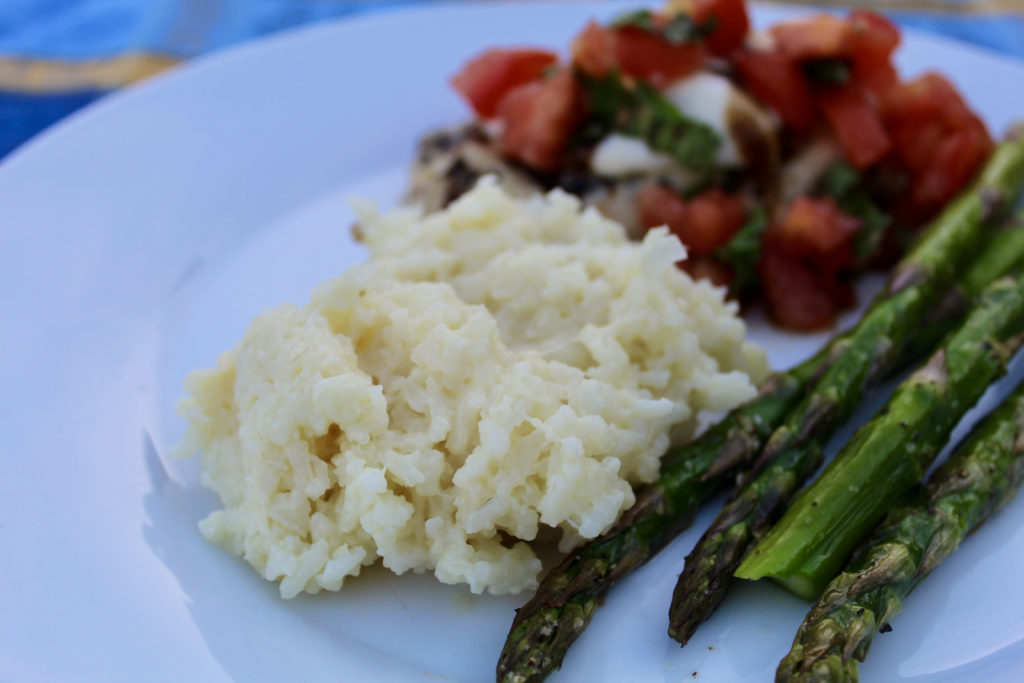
{"points": [[136, 241]]}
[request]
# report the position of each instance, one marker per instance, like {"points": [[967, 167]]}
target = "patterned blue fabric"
{"points": [[1000, 33], [64, 33], [22, 115], [60, 34], [78, 29]]}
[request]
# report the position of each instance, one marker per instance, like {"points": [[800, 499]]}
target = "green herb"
{"points": [[873, 225], [827, 71], [641, 111], [641, 18], [844, 184], [680, 28], [839, 180], [743, 250]]}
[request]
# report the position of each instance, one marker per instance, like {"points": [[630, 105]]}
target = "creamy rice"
{"points": [[498, 367]]}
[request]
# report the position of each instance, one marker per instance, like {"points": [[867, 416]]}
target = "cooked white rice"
{"points": [[497, 367]]}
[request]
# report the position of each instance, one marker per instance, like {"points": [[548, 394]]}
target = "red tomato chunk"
{"points": [[856, 123], [804, 256], [731, 24], [635, 52], [486, 79], [937, 138], [703, 223], [777, 81], [819, 230], [795, 298], [819, 37], [539, 119]]}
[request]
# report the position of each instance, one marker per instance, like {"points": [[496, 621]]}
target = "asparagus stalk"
{"points": [[569, 595], [890, 454], [873, 349], [982, 476]]}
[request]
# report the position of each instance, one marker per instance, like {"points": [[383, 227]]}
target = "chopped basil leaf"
{"points": [[678, 29], [827, 71], [743, 251], [641, 111], [874, 224], [641, 18], [838, 180], [842, 182], [682, 29]]}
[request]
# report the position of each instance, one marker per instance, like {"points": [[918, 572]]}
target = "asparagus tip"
{"points": [[537, 644]]}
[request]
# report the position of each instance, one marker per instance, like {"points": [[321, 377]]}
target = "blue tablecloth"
{"points": [[58, 55]]}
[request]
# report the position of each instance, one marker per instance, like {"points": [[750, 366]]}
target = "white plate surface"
{"points": [[139, 237]]}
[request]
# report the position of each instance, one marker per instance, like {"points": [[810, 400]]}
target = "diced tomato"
{"points": [[915, 145], [856, 123], [539, 118], [714, 217], [872, 34], [731, 23], [865, 38], [876, 75], [955, 160], [874, 39], [659, 205], [921, 97], [862, 34], [818, 37], [928, 100], [820, 231], [651, 58], [792, 291], [937, 138], [593, 50], [635, 52], [777, 81], [803, 257], [486, 79], [703, 223], [866, 41]]}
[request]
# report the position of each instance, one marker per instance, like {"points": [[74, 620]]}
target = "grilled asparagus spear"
{"points": [[982, 476], [890, 454]]}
